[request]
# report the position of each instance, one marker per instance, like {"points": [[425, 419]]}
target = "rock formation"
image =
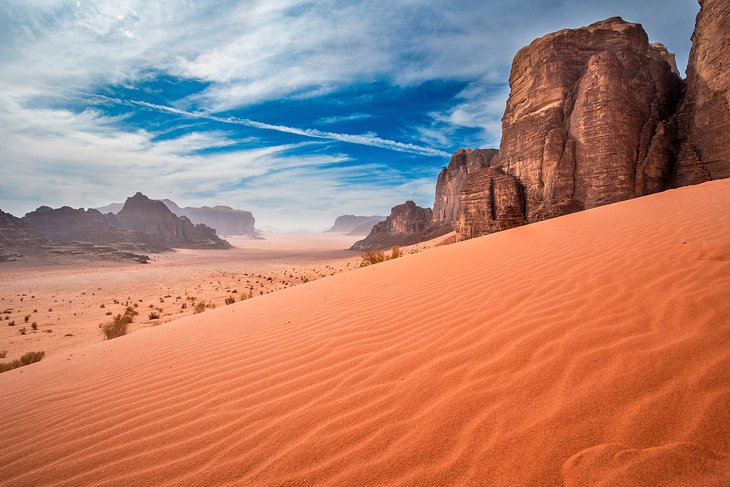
{"points": [[355, 225], [223, 219], [704, 117], [587, 121], [152, 217], [20, 240], [451, 179], [491, 201], [406, 225]]}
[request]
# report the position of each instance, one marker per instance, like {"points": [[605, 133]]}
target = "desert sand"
{"points": [[68, 299], [592, 349]]}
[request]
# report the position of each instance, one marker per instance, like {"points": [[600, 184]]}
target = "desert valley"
{"points": [[559, 316]]}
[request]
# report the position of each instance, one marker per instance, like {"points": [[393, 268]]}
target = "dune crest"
{"points": [[501, 360]]}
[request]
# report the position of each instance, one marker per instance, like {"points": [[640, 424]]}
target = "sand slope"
{"points": [[592, 349]]}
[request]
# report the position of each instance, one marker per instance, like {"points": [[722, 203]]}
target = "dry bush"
{"points": [[26, 359], [119, 326], [395, 252], [199, 307], [154, 315], [372, 257], [230, 300]]}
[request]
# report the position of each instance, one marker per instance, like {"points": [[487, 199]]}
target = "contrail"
{"points": [[313, 133]]}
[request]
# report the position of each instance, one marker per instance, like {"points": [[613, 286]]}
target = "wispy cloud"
{"points": [[361, 139], [344, 118]]}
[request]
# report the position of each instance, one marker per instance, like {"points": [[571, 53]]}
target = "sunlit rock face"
{"points": [[704, 116], [406, 225], [587, 121], [451, 179], [491, 201]]}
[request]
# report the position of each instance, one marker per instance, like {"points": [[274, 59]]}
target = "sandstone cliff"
{"points": [[451, 179], [587, 121], [491, 201], [152, 217], [704, 117], [406, 225]]}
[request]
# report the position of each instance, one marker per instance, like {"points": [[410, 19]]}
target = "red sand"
{"points": [[592, 349]]}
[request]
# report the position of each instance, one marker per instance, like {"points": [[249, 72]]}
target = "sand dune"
{"points": [[593, 349]]}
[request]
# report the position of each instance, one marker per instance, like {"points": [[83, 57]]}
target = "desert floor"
{"points": [[592, 349], [67, 302]]}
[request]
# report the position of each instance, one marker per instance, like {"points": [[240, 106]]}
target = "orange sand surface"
{"points": [[593, 349]]}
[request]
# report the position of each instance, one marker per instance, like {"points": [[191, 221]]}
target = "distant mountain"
{"points": [[223, 219], [355, 225], [111, 208], [142, 225]]}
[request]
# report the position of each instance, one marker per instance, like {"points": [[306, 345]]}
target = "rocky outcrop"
{"points": [[153, 217], [406, 225], [21, 241], [223, 219], [587, 121], [354, 224], [704, 117], [68, 224], [491, 201], [451, 179]]}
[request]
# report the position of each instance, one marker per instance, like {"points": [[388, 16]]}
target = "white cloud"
{"points": [[58, 157]]}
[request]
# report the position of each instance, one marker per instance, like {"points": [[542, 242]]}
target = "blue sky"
{"points": [[296, 110]]}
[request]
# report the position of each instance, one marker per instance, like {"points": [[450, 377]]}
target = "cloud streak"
{"points": [[367, 140]]}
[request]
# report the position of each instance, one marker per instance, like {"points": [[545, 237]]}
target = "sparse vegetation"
{"points": [[395, 252], [199, 307], [26, 318], [119, 326], [372, 257], [230, 300], [12, 323], [27, 359], [3, 353], [34, 326], [23, 331], [154, 315]]}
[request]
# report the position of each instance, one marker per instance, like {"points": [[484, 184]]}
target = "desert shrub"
{"points": [[395, 252], [119, 326], [32, 357], [26, 359], [199, 307], [23, 331], [230, 300], [154, 315], [12, 323], [131, 311], [108, 313], [3, 353], [103, 306], [34, 325], [184, 305], [372, 257], [26, 318]]}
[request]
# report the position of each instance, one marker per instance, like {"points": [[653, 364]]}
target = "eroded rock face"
{"points": [[451, 179], [704, 117], [406, 225], [491, 201], [153, 217], [587, 119]]}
